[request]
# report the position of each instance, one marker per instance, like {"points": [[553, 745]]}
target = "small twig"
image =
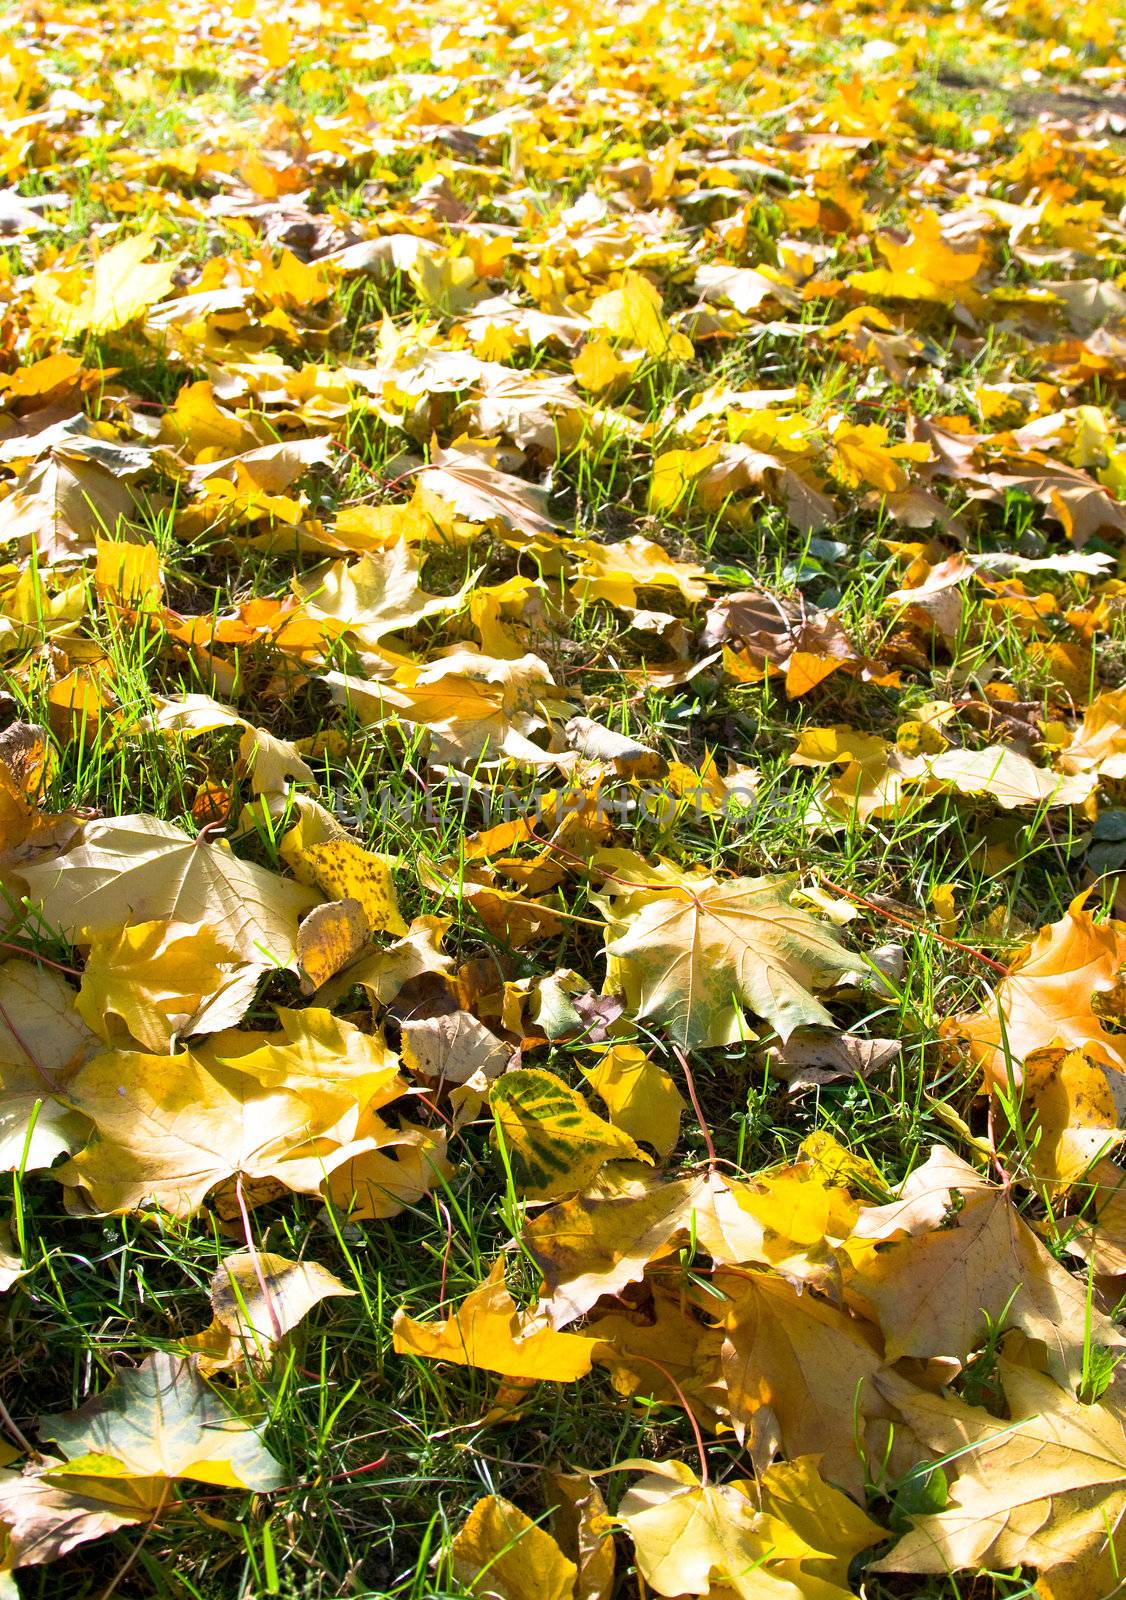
{"points": [[385, 484], [393, 483], [352, 455], [279, 1331], [1055, 847], [436, 1109], [915, 927], [417, 776], [713, 1159]]}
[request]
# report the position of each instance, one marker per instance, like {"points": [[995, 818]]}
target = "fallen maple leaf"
{"points": [[634, 314], [616, 572], [269, 469], [388, 1173], [922, 267], [169, 1129], [786, 478], [121, 284], [951, 1255], [1099, 742], [383, 973], [1099, 1234], [374, 596], [806, 646], [344, 870], [877, 780], [1007, 777], [139, 869], [1046, 999], [478, 490], [161, 1421], [453, 1048], [640, 1096], [39, 1054], [47, 1512], [864, 454], [1046, 1489], [596, 1244], [125, 1449], [691, 954], [330, 938], [808, 1059], [799, 1375], [553, 1140], [742, 287], [662, 1346], [258, 1297], [473, 707], [152, 981], [582, 1528], [1084, 507], [501, 1553], [1070, 1107], [489, 1331], [692, 1536], [57, 509]]}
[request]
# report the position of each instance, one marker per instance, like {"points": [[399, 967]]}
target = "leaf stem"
{"points": [[709, 1144], [112, 1587], [664, 1371], [16, 1433], [915, 927], [256, 1263], [33, 955], [5, 1017]]}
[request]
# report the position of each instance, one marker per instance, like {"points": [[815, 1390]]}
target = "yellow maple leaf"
{"points": [[862, 453], [276, 39], [121, 284], [598, 366], [675, 472], [741, 1537], [500, 1551], [488, 1331], [634, 314], [640, 1095], [924, 267], [1046, 999], [694, 952], [1047, 1489]]}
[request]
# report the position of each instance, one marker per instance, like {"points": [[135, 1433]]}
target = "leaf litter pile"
{"points": [[562, 795]]}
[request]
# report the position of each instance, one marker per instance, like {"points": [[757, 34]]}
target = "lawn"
{"points": [[562, 801]]}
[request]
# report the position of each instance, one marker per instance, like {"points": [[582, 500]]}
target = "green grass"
{"points": [[383, 1454]]}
